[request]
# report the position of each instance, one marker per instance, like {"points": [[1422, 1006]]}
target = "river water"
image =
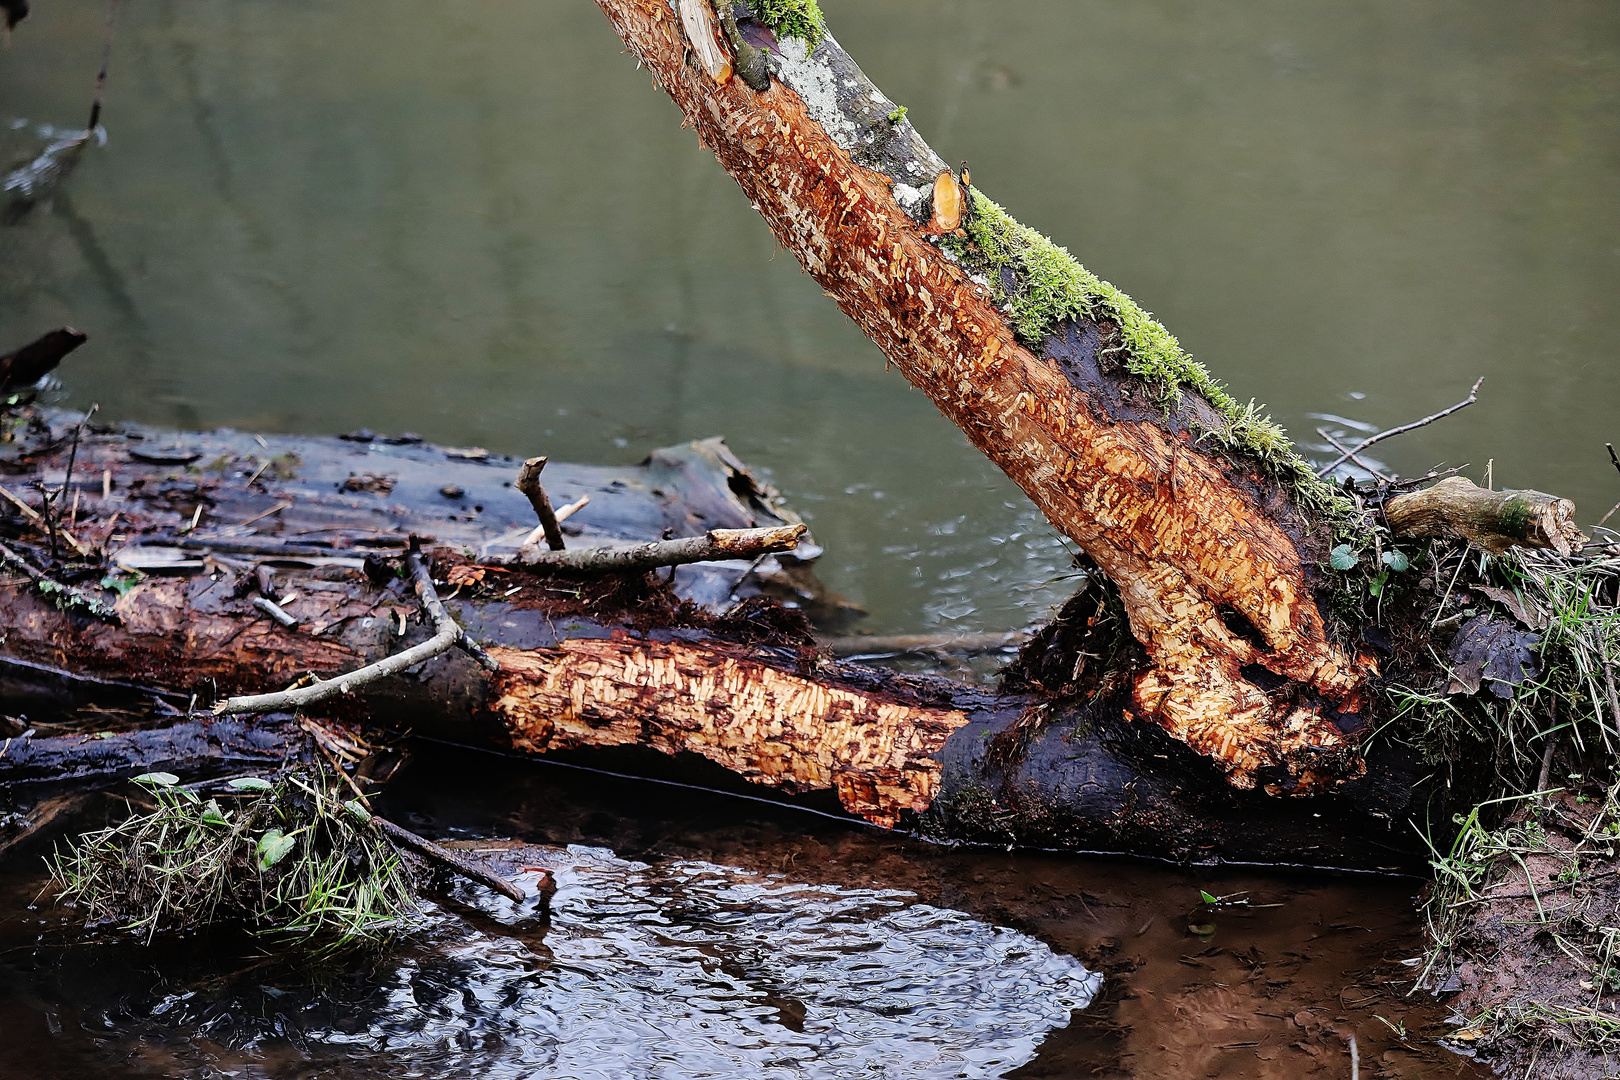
{"points": [[479, 222]]}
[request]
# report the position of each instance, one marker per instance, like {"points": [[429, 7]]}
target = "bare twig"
{"points": [[715, 544], [1473, 396], [106, 61], [402, 836], [33, 515], [465, 867], [53, 588], [261, 515], [448, 636], [1354, 460], [528, 482]]}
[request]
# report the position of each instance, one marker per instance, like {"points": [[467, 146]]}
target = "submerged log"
{"points": [[622, 670]]}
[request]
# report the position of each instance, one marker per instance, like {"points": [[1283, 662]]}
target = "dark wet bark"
{"points": [[594, 670]]}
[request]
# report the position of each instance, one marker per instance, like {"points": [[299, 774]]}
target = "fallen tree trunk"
{"points": [[602, 670]]}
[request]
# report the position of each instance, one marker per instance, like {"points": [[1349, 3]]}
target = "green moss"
{"points": [[1051, 286], [792, 18], [897, 114]]}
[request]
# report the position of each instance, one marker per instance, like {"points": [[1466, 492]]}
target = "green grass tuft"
{"points": [[289, 860]]}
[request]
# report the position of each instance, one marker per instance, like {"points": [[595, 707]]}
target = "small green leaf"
{"points": [[1376, 586], [1343, 557], [120, 583], [1397, 561], [273, 847], [358, 809], [1208, 899], [157, 779], [250, 783], [213, 815]]}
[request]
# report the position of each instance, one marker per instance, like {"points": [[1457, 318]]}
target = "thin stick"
{"points": [[106, 61], [421, 845], [276, 509], [434, 852], [73, 454], [563, 514], [257, 471], [33, 515], [1354, 460], [1473, 396], [528, 482], [275, 611], [715, 544]]}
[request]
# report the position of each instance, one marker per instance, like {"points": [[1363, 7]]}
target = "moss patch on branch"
{"points": [[1050, 285], [792, 18]]}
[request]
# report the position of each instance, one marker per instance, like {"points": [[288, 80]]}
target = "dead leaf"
{"points": [[464, 574], [1524, 611], [1494, 651]]}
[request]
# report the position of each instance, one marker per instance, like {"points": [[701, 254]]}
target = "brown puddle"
{"points": [[699, 934]]}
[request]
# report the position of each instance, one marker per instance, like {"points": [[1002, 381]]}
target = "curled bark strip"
{"points": [[1492, 520], [832, 175], [712, 545], [697, 17], [25, 366], [448, 859]]}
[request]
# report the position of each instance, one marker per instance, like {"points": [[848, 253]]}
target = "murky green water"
{"points": [[476, 220]]}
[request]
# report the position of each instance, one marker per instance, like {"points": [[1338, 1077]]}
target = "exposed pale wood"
{"points": [[763, 724], [1492, 520]]}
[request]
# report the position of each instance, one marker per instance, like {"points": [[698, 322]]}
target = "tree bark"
{"points": [[612, 670], [1216, 565]]}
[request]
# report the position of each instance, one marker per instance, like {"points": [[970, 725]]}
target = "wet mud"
{"points": [[701, 934]]}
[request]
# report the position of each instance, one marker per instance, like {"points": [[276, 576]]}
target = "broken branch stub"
{"points": [[1492, 520], [28, 364], [528, 482]]}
